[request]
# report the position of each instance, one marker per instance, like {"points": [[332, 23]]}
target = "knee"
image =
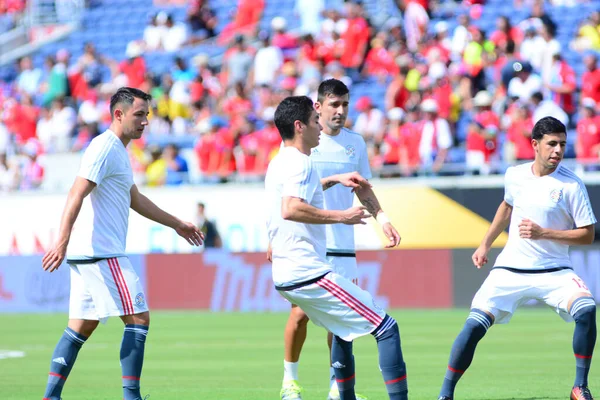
{"points": [[83, 327], [137, 319], [584, 311], [299, 317]]}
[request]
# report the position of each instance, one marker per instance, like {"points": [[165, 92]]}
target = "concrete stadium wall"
{"points": [[220, 281]]}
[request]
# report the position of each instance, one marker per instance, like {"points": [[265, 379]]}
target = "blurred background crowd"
{"points": [[437, 87]]}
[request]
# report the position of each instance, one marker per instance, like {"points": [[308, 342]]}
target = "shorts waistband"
{"points": [[87, 260], [299, 285], [533, 271], [340, 254]]}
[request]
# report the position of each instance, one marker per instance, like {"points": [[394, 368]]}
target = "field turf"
{"points": [[204, 356]]}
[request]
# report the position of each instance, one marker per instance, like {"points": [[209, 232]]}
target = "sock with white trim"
{"points": [[391, 362], [132, 359], [463, 349], [63, 358], [583, 311], [342, 362]]}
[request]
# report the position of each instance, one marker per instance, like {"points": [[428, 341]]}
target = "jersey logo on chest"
{"points": [[350, 151], [556, 195]]}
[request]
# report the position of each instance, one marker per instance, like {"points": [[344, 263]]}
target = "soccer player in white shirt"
{"points": [[548, 209], [103, 281], [340, 151], [301, 272]]}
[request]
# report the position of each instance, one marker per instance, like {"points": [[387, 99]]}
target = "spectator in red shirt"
{"points": [[247, 16], [590, 81], [519, 133], [379, 62], [587, 145], [135, 66], [505, 32], [563, 84], [282, 39], [26, 117], [397, 94], [481, 137], [356, 38], [269, 140]]}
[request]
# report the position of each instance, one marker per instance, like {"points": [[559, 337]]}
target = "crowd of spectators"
{"points": [[463, 97]]}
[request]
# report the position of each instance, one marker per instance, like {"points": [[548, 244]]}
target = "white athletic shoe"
{"points": [[291, 390]]}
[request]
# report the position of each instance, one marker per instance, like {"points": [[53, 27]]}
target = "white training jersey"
{"points": [[339, 154], [101, 227], [298, 248], [557, 201]]}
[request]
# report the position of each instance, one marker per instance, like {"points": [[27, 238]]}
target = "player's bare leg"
{"points": [[294, 337], [132, 353], [582, 308], [65, 354]]}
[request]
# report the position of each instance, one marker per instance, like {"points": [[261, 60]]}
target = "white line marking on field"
{"points": [[11, 354]]}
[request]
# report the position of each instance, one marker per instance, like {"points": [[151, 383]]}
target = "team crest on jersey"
{"points": [[350, 151], [139, 299], [556, 195]]}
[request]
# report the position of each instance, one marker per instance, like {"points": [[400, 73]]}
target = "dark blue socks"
{"points": [[342, 362], [463, 349], [132, 359], [391, 362], [63, 358], [583, 311]]}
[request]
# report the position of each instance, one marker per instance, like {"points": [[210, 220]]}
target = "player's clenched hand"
{"points": [[54, 258], [190, 232], [355, 215], [392, 234], [480, 257], [353, 180], [530, 230]]}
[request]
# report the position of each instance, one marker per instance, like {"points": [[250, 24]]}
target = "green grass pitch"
{"points": [[197, 355]]}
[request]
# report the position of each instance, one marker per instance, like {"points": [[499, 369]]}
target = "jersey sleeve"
{"points": [[508, 192], [94, 164], [581, 206], [301, 180], [364, 169]]}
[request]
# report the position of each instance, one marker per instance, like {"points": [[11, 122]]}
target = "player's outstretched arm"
{"points": [[146, 208], [55, 256], [297, 210], [499, 224], [350, 179], [367, 197]]}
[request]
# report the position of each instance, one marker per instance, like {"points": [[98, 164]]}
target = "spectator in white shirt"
{"points": [[460, 37], [310, 14], [551, 46], [547, 108], [64, 119], [370, 121], [525, 83], [267, 62], [436, 138], [29, 78], [155, 31], [175, 36]]}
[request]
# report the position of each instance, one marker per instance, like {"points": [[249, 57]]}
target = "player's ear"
{"points": [[298, 126], [318, 107]]}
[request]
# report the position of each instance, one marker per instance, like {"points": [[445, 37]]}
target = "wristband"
{"points": [[382, 218]]}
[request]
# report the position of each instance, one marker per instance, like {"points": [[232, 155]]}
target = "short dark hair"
{"points": [[290, 110], [331, 87], [547, 126], [126, 95]]}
